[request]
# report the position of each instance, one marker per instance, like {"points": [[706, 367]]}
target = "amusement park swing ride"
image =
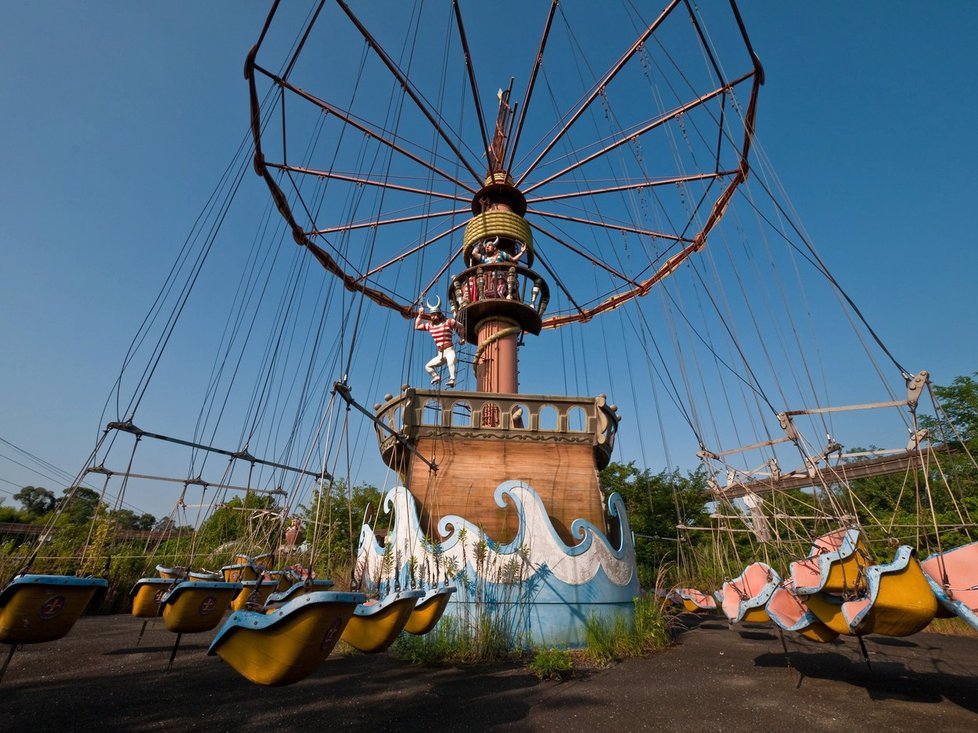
{"points": [[606, 173]]}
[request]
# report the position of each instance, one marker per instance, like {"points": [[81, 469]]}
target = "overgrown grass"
{"points": [[452, 641], [650, 632], [952, 627], [552, 664]]}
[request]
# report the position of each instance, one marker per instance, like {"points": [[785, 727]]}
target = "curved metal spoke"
{"points": [[581, 253], [350, 120], [609, 75], [411, 251], [407, 86], [610, 225], [385, 222], [644, 129], [365, 181], [630, 186]]}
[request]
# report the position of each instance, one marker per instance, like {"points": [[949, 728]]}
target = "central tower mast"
{"points": [[498, 297]]}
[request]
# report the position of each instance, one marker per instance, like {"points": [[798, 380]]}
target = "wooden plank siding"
{"points": [[470, 469]]}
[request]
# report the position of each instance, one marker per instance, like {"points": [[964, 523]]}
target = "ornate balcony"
{"points": [[417, 414], [504, 290]]}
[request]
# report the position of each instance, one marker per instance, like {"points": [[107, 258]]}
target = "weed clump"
{"points": [[552, 664]]}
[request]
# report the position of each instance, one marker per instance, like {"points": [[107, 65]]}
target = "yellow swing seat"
{"points": [[172, 572], [239, 572], [953, 576], [898, 602], [299, 588], [743, 599], [39, 608], [834, 564], [285, 645], [146, 595], [790, 613], [253, 593], [695, 601], [429, 610], [374, 627], [191, 607]]}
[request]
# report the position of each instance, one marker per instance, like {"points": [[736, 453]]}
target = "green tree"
{"points": [[656, 503], [78, 504], [128, 519], [334, 517], [165, 524], [904, 507], [244, 523], [959, 403], [36, 500]]}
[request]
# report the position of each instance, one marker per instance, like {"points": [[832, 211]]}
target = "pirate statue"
{"points": [[442, 331]]}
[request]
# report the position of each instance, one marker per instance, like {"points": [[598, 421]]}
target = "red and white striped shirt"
{"points": [[441, 332]]}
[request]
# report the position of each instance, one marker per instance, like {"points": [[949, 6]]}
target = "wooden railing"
{"points": [[501, 281], [415, 414]]}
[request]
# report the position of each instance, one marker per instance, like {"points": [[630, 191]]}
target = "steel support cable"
{"points": [[645, 128], [581, 251], [652, 375], [620, 133], [743, 395], [273, 351], [823, 268], [961, 509], [168, 285], [406, 365], [667, 381], [170, 280], [347, 118], [408, 87], [282, 398], [309, 380], [642, 184], [239, 305], [531, 82], [747, 301], [361, 181], [806, 256], [171, 325], [243, 302], [592, 259], [185, 293], [311, 21], [696, 410], [617, 132], [718, 365], [589, 99], [799, 348], [690, 87], [472, 84], [664, 270], [325, 259], [397, 110], [47, 470], [755, 388]]}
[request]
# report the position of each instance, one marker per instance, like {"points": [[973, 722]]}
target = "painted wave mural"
{"points": [[537, 589]]}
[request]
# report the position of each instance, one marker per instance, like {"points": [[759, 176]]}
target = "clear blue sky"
{"points": [[119, 116]]}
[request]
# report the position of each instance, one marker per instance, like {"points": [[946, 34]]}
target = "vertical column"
{"points": [[497, 367]]}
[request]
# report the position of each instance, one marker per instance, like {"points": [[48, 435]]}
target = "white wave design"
{"points": [[536, 544]]}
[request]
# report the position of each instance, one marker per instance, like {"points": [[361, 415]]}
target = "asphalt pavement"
{"points": [[715, 678]]}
